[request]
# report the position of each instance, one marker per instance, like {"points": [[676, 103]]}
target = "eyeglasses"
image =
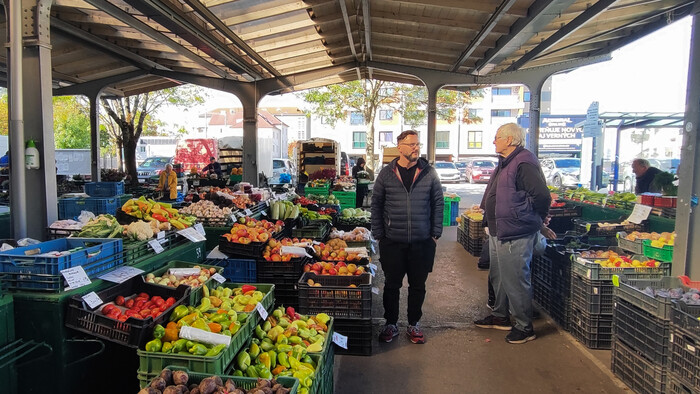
{"points": [[413, 146]]}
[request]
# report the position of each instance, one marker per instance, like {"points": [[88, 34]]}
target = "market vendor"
{"points": [[645, 174], [167, 183], [359, 171], [213, 167]]}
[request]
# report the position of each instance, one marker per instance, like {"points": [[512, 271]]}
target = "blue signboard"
{"points": [[558, 133]]}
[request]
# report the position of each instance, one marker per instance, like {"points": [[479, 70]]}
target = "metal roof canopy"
{"points": [[649, 120]]}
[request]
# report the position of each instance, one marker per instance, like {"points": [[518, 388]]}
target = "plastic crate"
{"points": [[594, 297], [561, 224], [286, 292], [593, 228], [542, 294], [476, 229], [662, 254], [359, 333], [646, 199], [475, 246], [594, 331], [58, 233], [138, 251], [69, 208], [335, 297], [665, 202], [104, 189], [643, 332], [541, 268], [235, 250], [7, 320], [236, 270], [38, 272], [244, 383], [641, 375], [635, 247], [294, 266], [132, 332], [594, 271], [685, 357], [322, 191], [197, 292], [630, 290], [687, 282], [344, 195], [100, 205], [566, 211], [676, 385], [317, 230], [685, 317]]}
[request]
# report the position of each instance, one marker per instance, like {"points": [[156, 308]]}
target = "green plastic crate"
{"points": [[196, 293], [244, 383], [321, 191], [662, 254], [7, 320], [345, 195]]}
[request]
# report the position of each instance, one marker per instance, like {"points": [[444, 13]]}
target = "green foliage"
{"points": [[71, 124], [4, 115]]}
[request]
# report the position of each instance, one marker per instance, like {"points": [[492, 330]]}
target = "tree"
{"points": [[333, 103], [129, 116], [449, 104], [71, 123]]}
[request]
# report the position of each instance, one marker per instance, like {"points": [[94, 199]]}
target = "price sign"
{"points": [[192, 234], [373, 266], [217, 277], [92, 299], [375, 290], [240, 214], [156, 246], [160, 235], [340, 340], [76, 277], [195, 183], [639, 213], [234, 217], [261, 310], [121, 274], [248, 212], [200, 229]]}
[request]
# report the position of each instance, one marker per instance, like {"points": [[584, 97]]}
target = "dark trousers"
{"points": [[360, 193], [398, 260]]}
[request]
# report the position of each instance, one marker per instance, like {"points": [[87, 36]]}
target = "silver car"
{"points": [[562, 171], [447, 171]]}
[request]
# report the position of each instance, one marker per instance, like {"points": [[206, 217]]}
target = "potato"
{"points": [[158, 383], [171, 390], [207, 386], [263, 383], [218, 381], [195, 390], [149, 390], [180, 377], [183, 389], [230, 386]]}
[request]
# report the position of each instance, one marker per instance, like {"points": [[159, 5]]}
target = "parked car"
{"points": [[152, 166], [480, 170], [282, 166], [462, 167], [563, 171], [447, 171]]}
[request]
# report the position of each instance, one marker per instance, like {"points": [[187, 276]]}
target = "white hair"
{"points": [[514, 131]]}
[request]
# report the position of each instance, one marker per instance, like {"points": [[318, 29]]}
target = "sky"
{"points": [[648, 75]]}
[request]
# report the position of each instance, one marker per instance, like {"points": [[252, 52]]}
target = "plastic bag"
{"points": [[5, 247], [85, 216], [27, 242]]}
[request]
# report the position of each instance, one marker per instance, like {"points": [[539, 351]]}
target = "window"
{"points": [[356, 118], [526, 97], [474, 139], [501, 113], [476, 112], [442, 139], [359, 140], [386, 136], [501, 91], [142, 149], [386, 114]]}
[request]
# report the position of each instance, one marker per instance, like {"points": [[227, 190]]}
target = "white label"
{"points": [[195, 183], [373, 266], [261, 310], [200, 229], [217, 277], [121, 274], [240, 214], [375, 290], [691, 348], [76, 277], [267, 202], [157, 247], [588, 274], [595, 291], [371, 271], [264, 213], [160, 235], [640, 213], [92, 299], [183, 272], [192, 234], [248, 212], [234, 217], [340, 340]]}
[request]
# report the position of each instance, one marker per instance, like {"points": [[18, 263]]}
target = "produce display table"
{"points": [[207, 182], [595, 212]]}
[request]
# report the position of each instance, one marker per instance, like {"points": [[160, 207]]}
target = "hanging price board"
{"points": [[157, 247], [76, 277], [340, 340], [92, 299], [261, 310]]}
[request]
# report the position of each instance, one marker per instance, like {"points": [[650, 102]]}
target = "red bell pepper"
{"points": [[159, 217], [247, 288]]}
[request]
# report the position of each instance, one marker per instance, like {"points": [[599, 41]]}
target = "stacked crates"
{"points": [[451, 211], [685, 349], [284, 275], [475, 238], [346, 199], [551, 284]]}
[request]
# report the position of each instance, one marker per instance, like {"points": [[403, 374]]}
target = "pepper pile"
{"points": [[150, 210]]}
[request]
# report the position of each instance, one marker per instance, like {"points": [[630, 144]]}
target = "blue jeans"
{"points": [[510, 275]]}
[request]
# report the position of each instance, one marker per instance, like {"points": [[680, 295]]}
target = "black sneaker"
{"points": [[388, 333], [518, 336], [491, 321]]}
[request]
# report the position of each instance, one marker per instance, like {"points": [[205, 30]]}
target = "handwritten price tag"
{"points": [[217, 277], [76, 277], [156, 246], [261, 310], [160, 235], [121, 274], [340, 340], [200, 229], [92, 299], [375, 290], [248, 212]]}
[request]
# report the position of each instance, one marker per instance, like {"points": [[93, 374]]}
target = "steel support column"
{"points": [[686, 256], [535, 102], [432, 120], [95, 136]]}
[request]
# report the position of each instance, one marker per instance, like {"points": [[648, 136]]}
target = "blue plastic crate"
{"points": [[68, 208], [454, 206], [104, 189], [42, 272], [236, 270], [99, 205]]}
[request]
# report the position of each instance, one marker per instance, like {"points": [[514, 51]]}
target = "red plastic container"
{"points": [[665, 202], [648, 200]]}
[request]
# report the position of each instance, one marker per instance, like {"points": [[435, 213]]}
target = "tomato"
{"points": [[163, 308], [155, 313], [170, 301], [107, 309], [114, 314], [140, 303], [155, 298], [119, 300], [122, 318], [129, 303], [144, 295], [159, 302], [145, 312], [130, 313]]}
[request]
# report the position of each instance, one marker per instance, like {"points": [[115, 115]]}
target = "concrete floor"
{"points": [[461, 358]]}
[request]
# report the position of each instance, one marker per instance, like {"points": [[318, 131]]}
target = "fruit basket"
{"points": [[634, 246], [592, 269], [634, 292]]}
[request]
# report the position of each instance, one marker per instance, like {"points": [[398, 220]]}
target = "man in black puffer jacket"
{"points": [[407, 209]]}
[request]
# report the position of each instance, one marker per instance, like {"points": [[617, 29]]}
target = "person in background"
{"points": [[362, 188], [213, 167], [167, 183], [645, 174], [516, 203], [407, 209]]}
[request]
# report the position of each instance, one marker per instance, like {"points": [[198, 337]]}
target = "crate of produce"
{"points": [[594, 331], [541, 294], [659, 304], [238, 250], [317, 230], [100, 205], [104, 189], [344, 195], [560, 309], [41, 269], [665, 202], [286, 292], [592, 296], [236, 270], [476, 229], [685, 357], [241, 382], [475, 246], [640, 374], [321, 191], [359, 333], [138, 251], [132, 332], [58, 233], [685, 317], [70, 208], [642, 331], [664, 253], [566, 210], [606, 228], [591, 269], [340, 296], [635, 246], [184, 271], [295, 266]]}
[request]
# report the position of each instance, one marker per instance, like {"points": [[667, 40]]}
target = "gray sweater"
{"points": [[407, 215]]}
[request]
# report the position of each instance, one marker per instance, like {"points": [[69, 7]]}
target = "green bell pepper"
{"points": [[179, 312], [198, 350], [154, 345], [259, 332], [282, 360], [252, 372], [167, 348], [243, 360], [158, 331], [284, 348], [273, 359], [215, 350], [266, 345], [263, 371], [180, 345]]}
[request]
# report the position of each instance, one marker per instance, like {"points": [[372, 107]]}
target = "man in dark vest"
{"points": [[645, 174], [516, 203]]}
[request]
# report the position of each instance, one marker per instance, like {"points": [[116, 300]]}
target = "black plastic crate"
{"points": [[685, 357], [541, 294], [359, 333], [641, 375], [593, 228], [592, 296], [286, 292], [642, 331], [568, 210], [235, 250], [594, 331], [541, 267], [56, 233], [475, 246], [476, 230], [294, 266], [334, 296], [132, 332], [676, 385], [630, 290], [686, 317], [560, 311]]}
